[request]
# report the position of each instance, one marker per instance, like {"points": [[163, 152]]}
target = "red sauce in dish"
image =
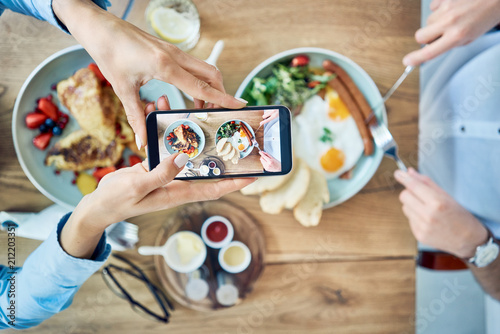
{"points": [[216, 231]]}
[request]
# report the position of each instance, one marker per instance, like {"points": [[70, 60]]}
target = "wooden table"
{"points": [[354, 273]]}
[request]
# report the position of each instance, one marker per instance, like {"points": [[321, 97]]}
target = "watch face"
{"points": [[487, 255]]}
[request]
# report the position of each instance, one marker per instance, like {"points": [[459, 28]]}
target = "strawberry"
{"points": [[93, 67], [100, 172], [301, 60], [34, 120], [134, 159], [42, 140], [48, 108]]}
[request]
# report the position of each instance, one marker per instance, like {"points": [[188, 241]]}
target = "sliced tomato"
{"points": [[93, 67], [100, 172], [301, 60], [48, 108]]}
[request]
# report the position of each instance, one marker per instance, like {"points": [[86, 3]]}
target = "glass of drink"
{"points": [[175, 21]]}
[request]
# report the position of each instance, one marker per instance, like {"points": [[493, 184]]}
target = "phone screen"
{"points": [[253, 141]]}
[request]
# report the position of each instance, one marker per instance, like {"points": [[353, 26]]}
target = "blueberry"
{"points": [[50, 123], [56, 131], [43, 128]]}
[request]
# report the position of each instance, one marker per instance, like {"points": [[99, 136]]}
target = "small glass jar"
{"points": [[175, 21]]}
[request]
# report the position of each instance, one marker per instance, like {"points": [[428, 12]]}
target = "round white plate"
{"points": [[340, 190], [248, 150], [193, 126]]}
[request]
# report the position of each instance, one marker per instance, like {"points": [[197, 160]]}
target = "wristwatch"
{"points": [[485, 254]]}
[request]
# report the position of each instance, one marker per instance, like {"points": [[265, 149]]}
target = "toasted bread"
{"points": [[226, 149], [94, 107], [236, 158], [221, 144], [79, 151], [264, 184], [290, 193]]}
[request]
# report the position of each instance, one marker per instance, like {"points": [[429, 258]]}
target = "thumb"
{"points": [[135, 113], [165, 172]]}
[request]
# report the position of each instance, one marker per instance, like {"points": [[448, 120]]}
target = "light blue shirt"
{"points": [[40, 9], [46, 283], [459, 126], [49, 279]]}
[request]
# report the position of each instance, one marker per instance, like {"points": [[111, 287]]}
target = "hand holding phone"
{"points": [[221, 143]]}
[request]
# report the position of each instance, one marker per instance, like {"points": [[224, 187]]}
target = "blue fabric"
{"points": [[40, 9], [459, 126], [47, 282]]}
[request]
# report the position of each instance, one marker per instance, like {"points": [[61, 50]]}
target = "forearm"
{"points": [[47, 282], [80, 235]]}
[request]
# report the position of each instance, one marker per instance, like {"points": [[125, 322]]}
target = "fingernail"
{"points": [[399, 174], [407, 61], [241, 100], [138, 142], [181, 160]]}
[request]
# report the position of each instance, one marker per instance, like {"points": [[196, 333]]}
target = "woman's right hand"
{"points": [[453, 23], [129, 57]]}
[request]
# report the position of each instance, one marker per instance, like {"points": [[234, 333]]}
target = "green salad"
{"points": [[290, 84]]}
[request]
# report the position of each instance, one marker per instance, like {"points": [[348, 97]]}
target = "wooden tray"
{"points": [[191, 217]]}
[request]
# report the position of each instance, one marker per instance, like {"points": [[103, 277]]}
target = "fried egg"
{"points": [[240, 141], [326, 136]]}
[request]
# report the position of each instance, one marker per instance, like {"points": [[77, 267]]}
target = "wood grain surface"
{"points": [[354, 273]]}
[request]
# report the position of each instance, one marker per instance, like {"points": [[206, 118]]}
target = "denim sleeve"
{"points": [[46, 283], [41, 9]]}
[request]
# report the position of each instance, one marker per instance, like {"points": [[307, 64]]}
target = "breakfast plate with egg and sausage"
{"points": [[330, 97]]}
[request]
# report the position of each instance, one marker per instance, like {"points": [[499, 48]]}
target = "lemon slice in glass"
{"points": [[171, 25]]}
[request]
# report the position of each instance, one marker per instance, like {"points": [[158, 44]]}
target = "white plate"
{"points": [[340, 190], [193, 126], [55, 68], [249, 149]]}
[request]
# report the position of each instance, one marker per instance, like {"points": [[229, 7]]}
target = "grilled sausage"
{"points": [[339, 86]]}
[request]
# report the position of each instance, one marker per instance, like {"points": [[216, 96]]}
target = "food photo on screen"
{"points": [[236, 142]]}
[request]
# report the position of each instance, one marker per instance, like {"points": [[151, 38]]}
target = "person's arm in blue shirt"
{"points": [[41, 9], [77, 248], [47, 282]]}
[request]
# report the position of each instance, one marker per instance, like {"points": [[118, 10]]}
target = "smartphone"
{"points": [[223, 143]]}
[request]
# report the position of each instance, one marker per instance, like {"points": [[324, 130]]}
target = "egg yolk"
{"points": [[241, 147], [332, 160], [337, 109], [242, 133]]}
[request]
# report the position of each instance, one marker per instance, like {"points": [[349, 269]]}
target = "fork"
{"points": [[124, 234], [255, 144], [383, 139]]}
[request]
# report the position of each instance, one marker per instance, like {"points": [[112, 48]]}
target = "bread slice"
{"points": [[226, 149], [308, 211], [290, 193], [263, 184], [236, 158], [220, 144], [230, 155]]}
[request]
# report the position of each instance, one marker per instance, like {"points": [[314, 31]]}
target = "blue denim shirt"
{"points": [[46, 283], [40, 9], [459, 126]]}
